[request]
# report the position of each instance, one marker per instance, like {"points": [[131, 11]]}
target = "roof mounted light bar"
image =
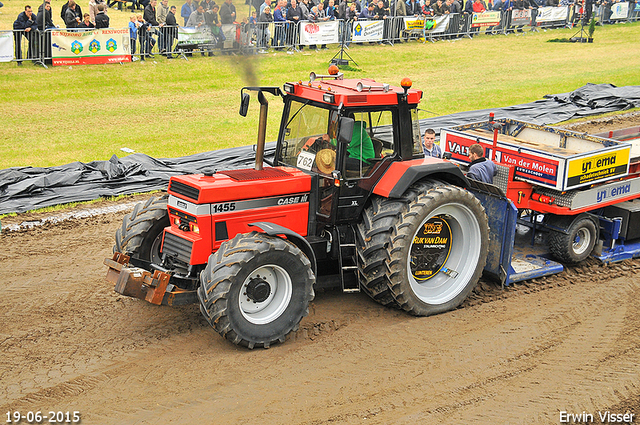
{"points": [[362, 87]]}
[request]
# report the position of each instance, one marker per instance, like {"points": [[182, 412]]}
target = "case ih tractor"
{"points": [[349, 201]]}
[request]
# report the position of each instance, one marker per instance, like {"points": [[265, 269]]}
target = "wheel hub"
{"points": [[258, 290]]}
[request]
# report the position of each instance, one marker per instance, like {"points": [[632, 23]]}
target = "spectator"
{"points": [[186, 11], [267, 3], [102, 20], [197, 19], [263, 29], [150, 13], [413, 8], [86, 23], [341, 10], [481, 168], [64, 10], [439, 8], [331, 11], [227, 12], [379, 11], [93, 8], [71, 17], [170, 31], [428, 146], [521, 5], [212, 19], [427, 8], [47, 16], [26, 23], [294, 14], [367, 12], [133, 33], [207, 5], [162, 10], [280, 20]]}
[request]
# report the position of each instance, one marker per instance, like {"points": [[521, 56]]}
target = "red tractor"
{"points": [[349, 201]]}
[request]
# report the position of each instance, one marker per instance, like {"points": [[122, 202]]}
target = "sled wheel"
{"points": [[255, 289], [423, 253], [140, 235], [577, 244]]}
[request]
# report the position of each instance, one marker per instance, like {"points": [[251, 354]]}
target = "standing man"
{"points": [[161, 16], [481, 168], [151, 21], [227, 12], [186, 11], [102, 20], [26, 24], [428, 146], [170, 31]]}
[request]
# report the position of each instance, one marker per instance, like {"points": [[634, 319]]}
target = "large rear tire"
{"points": [[425, 252], [255, 289], [140, 235], [575, 245]]}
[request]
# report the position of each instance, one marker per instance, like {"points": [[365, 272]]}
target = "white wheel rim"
{"points": [[581, 241], [281, 288], [466, 240]]}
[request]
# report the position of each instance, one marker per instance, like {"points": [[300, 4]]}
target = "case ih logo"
{"points": [[311, 28]]}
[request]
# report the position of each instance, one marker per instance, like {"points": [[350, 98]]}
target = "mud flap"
{"points": [[139, 283]]}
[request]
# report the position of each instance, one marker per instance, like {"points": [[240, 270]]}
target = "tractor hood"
{"points": [[236, 185]]}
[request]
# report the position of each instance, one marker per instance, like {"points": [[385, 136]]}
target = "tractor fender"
{"points": [[402, 174], [299, 241]]}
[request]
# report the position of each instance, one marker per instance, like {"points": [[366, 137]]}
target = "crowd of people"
{"points": [[158, 24]]}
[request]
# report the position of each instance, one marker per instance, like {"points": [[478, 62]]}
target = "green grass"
{"points": [[175, 108]]}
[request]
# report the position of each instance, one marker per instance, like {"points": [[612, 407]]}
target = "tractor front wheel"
{"points": [[140, 235], [255, 289]]}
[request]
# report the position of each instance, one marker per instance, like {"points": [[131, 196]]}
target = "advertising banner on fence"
{"points": [[485, 19], [90, 47], [365, 31], [551, 14], [319, 32], [202, 35], [6, 46], [413, 25], [619, 10], [520, 17], [436, 25]]}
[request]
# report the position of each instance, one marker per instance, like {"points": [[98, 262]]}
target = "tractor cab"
{"points": [[346, 133]]}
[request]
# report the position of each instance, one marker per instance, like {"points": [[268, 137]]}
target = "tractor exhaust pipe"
{"points": [[262, 130]]}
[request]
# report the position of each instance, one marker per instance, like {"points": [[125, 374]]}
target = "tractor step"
{"points": [[347, 258]]}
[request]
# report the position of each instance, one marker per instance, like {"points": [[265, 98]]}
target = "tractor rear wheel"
{"points": [[575, 245], [140, 235], [255, 289], [425, 252]]}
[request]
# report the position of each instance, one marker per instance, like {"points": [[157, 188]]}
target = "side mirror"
{"points": [[346, 130], [244, 103]]}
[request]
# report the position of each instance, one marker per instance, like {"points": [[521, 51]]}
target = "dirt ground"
{"points": [[521, 355]]}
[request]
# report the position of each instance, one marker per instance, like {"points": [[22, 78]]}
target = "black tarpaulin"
{"points": [[27, 188]]}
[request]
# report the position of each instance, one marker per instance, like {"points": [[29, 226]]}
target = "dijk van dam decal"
{"points": [[112, 45], [94, 46], [430, 248], [76, 47]]}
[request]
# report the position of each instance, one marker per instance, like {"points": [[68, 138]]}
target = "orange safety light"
{"points": [[406, 83], [333, 70]]}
